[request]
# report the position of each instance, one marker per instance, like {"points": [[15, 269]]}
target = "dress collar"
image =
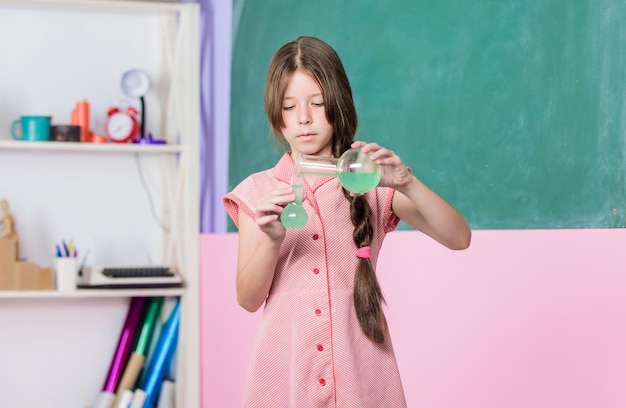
{"points": [[284, 168]]}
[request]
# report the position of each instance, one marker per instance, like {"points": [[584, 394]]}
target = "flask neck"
{"points": [[313, 165]]}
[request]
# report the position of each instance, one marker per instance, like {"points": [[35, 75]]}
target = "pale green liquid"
{"points": [[359, 183], [294, 215]]}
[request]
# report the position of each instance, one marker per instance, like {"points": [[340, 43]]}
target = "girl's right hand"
{"points": [[268, 211]]}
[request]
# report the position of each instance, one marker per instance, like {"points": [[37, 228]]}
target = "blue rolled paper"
{"points": [[161, 357]]}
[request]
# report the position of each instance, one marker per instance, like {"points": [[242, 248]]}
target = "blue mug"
{"points": [[31, 128]]}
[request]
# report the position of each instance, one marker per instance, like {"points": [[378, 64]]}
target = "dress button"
{"points": [[316, 271], [318, 312], [322, 381], [315, 237], [320, 347]]}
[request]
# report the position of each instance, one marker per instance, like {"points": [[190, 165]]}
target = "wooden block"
{"points": [[45, 279], [8, 256], [8, 249], [28, 276], [25, 275], [7, 281]]}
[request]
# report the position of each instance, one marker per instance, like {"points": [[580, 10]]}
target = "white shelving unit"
{"points": [[56, 347]]}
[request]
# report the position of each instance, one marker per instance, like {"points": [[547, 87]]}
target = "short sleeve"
{"points": [[247, 194], [243, 196]]}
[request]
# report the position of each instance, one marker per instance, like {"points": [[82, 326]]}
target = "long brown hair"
{"points": [[319, 60]]}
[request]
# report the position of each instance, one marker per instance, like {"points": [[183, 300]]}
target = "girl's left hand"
{"points": [[394, 173]]}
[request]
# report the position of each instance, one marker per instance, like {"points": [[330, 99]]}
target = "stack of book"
{"points": [[139, 375]]}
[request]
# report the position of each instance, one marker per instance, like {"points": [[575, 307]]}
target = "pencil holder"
{"points": [[66, 272]]}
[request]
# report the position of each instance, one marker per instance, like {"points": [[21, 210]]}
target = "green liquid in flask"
{"points": [[294, 215], [359, 183]]}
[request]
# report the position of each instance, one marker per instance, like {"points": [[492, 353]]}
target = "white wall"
{"points": [[53, 60]]}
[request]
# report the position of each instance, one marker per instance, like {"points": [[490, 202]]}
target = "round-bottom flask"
{"points": [[356, 172]]}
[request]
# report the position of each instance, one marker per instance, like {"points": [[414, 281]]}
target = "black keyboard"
{"points": [[137, 272]]}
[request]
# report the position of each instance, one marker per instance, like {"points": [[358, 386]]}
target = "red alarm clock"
{"points": [[122, 126]]}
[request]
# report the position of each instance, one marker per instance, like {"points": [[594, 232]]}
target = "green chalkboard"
{"points": [[514, 111]]}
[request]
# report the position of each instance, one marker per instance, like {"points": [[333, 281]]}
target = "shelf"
{"points": [[115, 6], [88, 190], [88, 147], [90, 293]]}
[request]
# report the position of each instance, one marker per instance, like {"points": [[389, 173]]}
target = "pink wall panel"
{"points": [[532, 318]]}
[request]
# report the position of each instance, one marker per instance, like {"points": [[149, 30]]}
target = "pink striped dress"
{"points": [[310, 350]]}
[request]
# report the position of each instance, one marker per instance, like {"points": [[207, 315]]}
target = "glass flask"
{"points": [[356, 172], [294, 215]]}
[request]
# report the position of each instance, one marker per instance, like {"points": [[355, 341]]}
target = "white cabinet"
{"points": [[55, 348]]}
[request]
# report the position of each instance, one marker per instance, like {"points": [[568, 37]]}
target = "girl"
{"points": [[323, 339]]}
